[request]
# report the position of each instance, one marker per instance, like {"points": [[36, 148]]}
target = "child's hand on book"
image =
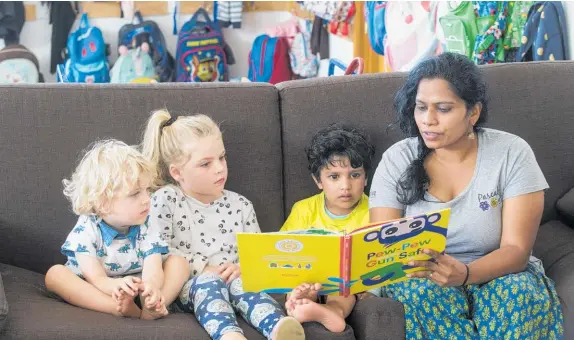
{"points": [[229, 272], [445, 271]]}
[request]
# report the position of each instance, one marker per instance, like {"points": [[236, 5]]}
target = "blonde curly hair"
{"points": [[107, 169]]}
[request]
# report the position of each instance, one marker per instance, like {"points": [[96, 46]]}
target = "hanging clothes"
{"points": [[12, 17], [229, 13], [62, 17], [320, 38]]}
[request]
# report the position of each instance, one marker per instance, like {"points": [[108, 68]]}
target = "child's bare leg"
{"points": [[176, 272], [74, 290], [332, 315]]}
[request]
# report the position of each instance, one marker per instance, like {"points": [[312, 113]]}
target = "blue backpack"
{"points": [[376, 30], [87, 56], [135, 34], [202, 55], [269, 60]]}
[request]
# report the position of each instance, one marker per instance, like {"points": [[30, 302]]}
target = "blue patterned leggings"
{"points": [[517, 306], [213, 303]]}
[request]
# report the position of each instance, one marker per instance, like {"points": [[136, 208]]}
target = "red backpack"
{"points": [[269, 60]]}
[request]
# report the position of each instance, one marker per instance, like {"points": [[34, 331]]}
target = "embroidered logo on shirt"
{"points": [[489, 200]]}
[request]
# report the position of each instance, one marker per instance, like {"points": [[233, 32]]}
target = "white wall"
{"points": [[36, 35]]}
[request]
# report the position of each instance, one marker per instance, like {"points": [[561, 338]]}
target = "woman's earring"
{"points": [[471, 134]]}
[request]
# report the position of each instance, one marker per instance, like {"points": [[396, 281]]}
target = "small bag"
{"points": [[19, 65]]}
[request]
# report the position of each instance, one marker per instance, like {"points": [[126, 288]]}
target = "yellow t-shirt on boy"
{"points": [[312, 213]]}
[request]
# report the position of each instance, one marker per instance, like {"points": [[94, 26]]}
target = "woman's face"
{"points": [[441, 116]]}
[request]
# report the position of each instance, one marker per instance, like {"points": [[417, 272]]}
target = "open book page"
{"points": [[380, 253], [279, 262]]}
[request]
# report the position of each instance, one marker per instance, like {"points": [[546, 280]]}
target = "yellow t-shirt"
{"points": [[310, 213]]}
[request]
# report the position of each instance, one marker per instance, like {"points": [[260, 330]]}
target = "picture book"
{"points": [[344, 263]]}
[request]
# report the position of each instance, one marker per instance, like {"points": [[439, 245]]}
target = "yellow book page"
{"points": [[279, 262], [380, 253]]}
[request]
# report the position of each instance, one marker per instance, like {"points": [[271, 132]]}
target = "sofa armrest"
{"points": [[375, 318], [555, 247]]}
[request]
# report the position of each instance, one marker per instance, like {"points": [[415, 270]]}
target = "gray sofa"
{"points": [[43, 128]]}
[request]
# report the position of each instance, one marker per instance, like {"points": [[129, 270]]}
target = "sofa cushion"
{"points": [[554, 247], [43, 128], [3, 305], [35, 314], [565, 206]]}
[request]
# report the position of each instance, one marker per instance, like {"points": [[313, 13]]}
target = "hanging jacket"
{"points": [[544, 35], [12, 17]]}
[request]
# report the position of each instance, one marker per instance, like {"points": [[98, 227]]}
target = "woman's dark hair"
{"points": [[339, 140], [465, 80]]}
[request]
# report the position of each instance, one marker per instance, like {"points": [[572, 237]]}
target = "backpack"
{"points": [[544, 36], [411, 33], [375, 19], [135, 34], [269, 60], [87, 56], [459, 28], [201, 51], [134, 66], [303, 62], [19, 65], [491, 26]]}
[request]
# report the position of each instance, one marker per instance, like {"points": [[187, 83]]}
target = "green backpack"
{"points": [[460, 29]]}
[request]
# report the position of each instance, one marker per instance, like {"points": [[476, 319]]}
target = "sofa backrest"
{"points": [[532, 100], [43, 129]]}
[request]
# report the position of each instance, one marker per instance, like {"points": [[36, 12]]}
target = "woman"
{"points": [[486, 285]]}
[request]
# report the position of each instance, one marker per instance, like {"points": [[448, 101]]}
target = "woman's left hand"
{"points": [[446, 271]]}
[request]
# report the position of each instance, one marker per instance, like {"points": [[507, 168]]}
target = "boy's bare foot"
{"points": [[288, 328], [233, 336], [306, 310], [127, 307], [154, 313], [308, 291]]}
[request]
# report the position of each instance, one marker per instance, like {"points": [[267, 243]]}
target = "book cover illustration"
{"points": [[369, 257]]}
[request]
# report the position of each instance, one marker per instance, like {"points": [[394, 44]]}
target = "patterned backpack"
{"points": [[303, 62], [87, 56], [411, 33], [134, 66], [202, 54], [135, 34], [19, 65]]}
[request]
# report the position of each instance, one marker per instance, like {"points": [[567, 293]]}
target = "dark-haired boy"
{"points": [[340, 159]]}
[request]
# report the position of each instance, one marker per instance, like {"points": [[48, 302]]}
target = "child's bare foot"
{"points": [[233, 336], [127, 307], [308, 291], [158, 311], [288, 328], [306, 310]]}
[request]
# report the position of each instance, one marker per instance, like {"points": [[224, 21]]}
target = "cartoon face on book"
{"points": [[399, 230]]}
